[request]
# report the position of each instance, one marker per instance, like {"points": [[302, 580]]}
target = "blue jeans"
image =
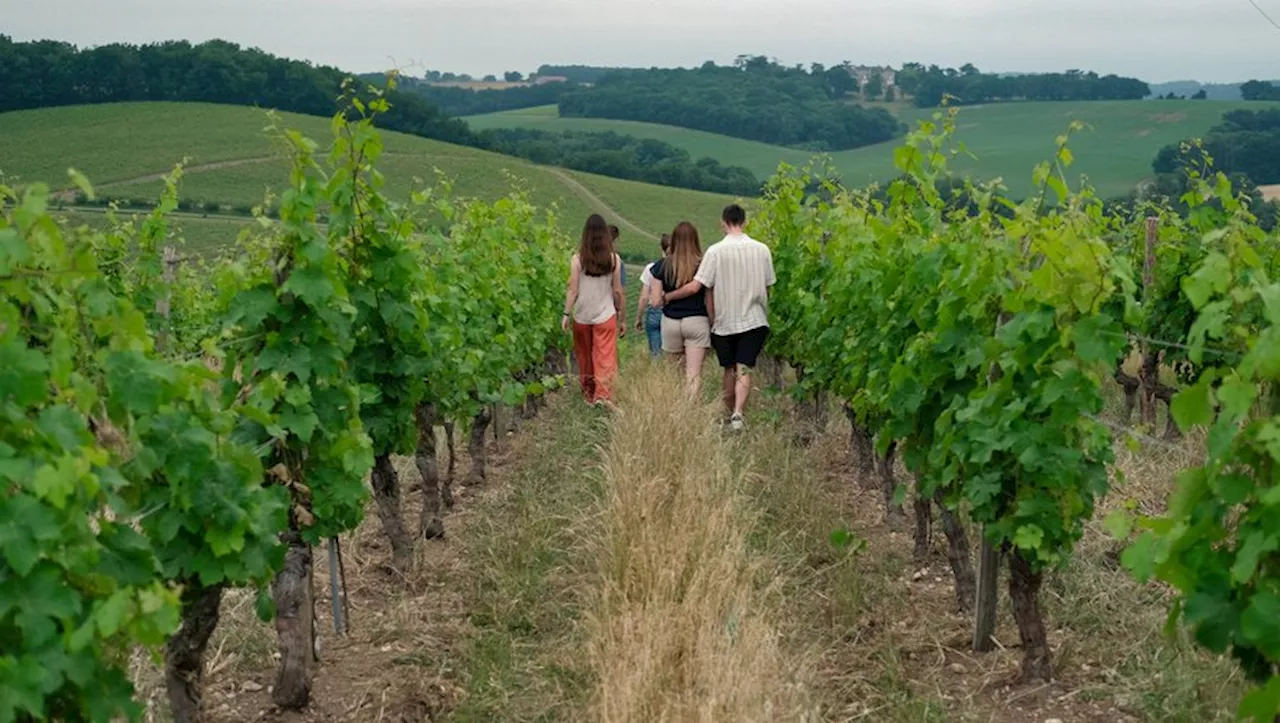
{"points": [[653, 330]]}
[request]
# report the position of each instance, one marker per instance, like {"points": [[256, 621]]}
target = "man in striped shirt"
{"points": [[739, 271]]}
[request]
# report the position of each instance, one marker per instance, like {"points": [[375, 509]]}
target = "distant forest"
{"points": [[755, 99], [1246, 142], [968, 85], [466, 101], [624, 156], [1260, 90], [1192, 89], [579, 73], [48, 73]]}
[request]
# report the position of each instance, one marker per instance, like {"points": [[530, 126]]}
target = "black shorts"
{"points": [[741, 348]]}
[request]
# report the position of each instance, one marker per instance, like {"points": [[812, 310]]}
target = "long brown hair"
{"points": [[686, 254], [595, 253]]}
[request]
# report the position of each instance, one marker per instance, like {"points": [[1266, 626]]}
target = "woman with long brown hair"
{"points": [[686, 323], [595, 305]]}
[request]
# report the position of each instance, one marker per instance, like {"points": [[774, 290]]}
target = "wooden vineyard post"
{"points": [[984, 626], [984, 619], [1149, 373], [335, 589]]}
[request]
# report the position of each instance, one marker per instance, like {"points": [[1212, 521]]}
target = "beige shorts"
{"points": [[689, 332]]}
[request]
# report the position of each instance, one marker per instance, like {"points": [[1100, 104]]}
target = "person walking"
{"points": [[648, 316], [739, 271], [593, 308], [614, 233], [686, 324]]}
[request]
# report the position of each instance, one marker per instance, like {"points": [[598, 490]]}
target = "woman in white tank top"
{"points": [[593, 307]]}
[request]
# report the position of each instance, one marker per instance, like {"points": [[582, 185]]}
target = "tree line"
{"points": [[45, 73], [1260, 90], [755, 99], [50, 73], [578, 73], [466, 101], [624, 156], [1246, 142], [966, 85]]}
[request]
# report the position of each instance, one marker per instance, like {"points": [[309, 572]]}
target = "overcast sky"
{"points": [[1156, 40]]}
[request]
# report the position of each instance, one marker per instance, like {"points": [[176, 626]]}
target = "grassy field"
{"points": [[124, 149], [199, 234], [1115, 152]]}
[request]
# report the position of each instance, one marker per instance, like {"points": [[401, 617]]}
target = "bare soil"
{"points": [[398, 662]]}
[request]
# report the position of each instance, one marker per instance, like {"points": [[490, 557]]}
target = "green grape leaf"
{"points": [[1256, 544], [1212, 278], [1140, 557], [1260, 623], [1237, 396], [1193, 406], [1262, 704], [312, 285], [1028, 537], [110, 615], [1213, 618], [1095, 341], [1118, 524]]}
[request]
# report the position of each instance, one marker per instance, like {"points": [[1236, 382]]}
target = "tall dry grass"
{"points": [[681, 627]]}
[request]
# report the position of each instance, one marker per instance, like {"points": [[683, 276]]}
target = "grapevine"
{"points": [[972, 339], [1218, 545], [173, 428], [79, 584], [298, 394]]}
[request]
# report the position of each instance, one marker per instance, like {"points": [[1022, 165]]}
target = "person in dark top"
{"points": [[649, 318], [686, 323], [614, 233]]}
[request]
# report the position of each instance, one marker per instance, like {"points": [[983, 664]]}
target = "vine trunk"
{"points": [[893, 513], [386, 491], [295, 623], [958, 554], [476, 448], [1024, 593], [446, 492], [184, 652], [431, 524]]}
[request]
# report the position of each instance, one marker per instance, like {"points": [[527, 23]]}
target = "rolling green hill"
{"points": [[1008, 139], [125, 148]]}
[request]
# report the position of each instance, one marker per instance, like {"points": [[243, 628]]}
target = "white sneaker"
{"points": [[736, 423]]}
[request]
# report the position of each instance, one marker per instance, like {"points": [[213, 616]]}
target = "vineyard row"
{"points": [[169, 431], [972, 337]]}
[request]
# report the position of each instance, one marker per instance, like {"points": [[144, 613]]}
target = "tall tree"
{"points": [[839, 82], [874, 88], [1259, 90]]}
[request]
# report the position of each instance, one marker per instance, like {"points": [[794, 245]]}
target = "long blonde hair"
{"points": [[686, 254]]}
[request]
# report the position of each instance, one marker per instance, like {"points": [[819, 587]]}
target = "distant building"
{"points": [[864, 72], [544, 79]]}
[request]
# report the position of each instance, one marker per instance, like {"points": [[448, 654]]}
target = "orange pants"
{"points": [[596, 347]]}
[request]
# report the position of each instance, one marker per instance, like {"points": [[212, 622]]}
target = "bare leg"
{"points": [[742, 389], [730, 382], [693, 368]]}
